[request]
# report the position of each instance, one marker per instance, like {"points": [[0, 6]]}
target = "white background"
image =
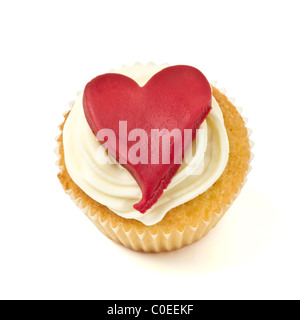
{"points": [[50, 49]]}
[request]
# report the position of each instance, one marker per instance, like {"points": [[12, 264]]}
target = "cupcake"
{"points": [[153, 155]]}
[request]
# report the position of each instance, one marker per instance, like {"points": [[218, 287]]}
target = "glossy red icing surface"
{"points": [[178, 97]]}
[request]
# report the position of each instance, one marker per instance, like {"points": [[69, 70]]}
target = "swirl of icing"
{"points": [[110, 184]]}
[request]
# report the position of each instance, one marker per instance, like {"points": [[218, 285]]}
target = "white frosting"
{"points": [[113, 186]]}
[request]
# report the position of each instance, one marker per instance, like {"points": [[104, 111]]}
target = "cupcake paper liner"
{"points": [[147, 238]]}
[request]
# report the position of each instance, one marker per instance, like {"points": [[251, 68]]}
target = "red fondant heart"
{"points": [[177, 97]]}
